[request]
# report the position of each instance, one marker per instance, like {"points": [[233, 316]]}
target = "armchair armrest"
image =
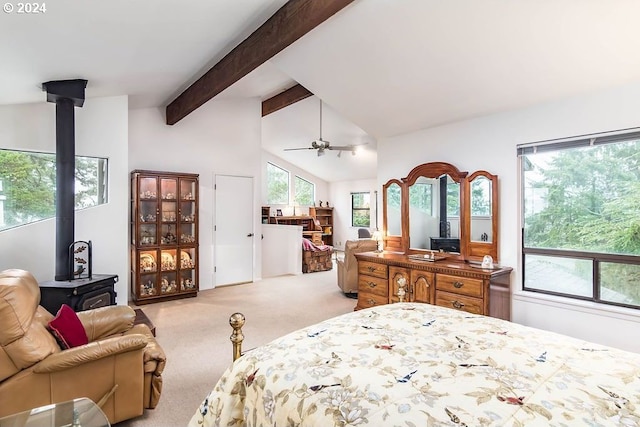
{"points": [[106, 321], [96, 350]]}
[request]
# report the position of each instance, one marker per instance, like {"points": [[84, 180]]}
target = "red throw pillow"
{"points": [[67, 328]]}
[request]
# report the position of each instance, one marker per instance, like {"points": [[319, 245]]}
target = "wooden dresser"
{"points": [[454, 284]]}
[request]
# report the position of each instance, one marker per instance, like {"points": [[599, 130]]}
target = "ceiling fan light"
{"points": [[321, 152]]}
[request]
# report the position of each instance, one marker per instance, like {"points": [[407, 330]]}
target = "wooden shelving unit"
{"points": [[320, 219], [265, 214], [324, 217]]}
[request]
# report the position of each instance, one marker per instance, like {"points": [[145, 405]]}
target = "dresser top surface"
{"points": [[446, 265]]}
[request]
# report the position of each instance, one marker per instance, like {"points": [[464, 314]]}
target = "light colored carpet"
{"points": [[194, 333]]}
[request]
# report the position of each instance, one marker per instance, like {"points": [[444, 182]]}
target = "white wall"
{"points": [[101, 130], [340, 199], [221, 137], [282, 250], [489, 143]]}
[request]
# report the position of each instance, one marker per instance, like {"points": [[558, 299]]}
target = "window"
{"points": [[360, 210], [277, 185], [304, 192], [581, 235], [28, 184]]}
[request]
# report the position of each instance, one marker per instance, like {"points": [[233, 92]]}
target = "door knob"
{"points": [[250, 235]]}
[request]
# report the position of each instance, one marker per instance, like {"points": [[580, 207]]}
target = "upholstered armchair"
{"points": [[348, 267], [119, 368]]}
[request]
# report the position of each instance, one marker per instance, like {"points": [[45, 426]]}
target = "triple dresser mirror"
{"points": [[439, 208]]}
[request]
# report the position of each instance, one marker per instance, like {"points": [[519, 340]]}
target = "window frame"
{"points": [[101, 188], [359, 209], [595, 258]]}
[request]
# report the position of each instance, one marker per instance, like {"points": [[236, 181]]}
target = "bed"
{"points": [[412, 364]]}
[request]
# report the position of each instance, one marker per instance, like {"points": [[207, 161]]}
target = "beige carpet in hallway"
{"points": [[194, 333]]}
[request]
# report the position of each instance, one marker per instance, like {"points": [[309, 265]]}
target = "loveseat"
{"points": [[348, 267], [120, 367]]}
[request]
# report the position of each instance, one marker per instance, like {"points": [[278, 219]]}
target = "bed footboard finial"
{"points": [[236, 320]]}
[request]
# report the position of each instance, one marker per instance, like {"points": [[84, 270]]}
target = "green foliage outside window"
{"points": [[421, 197], [588, 199], [360, 209], [453, 198], [277, 185], [305, 192], [28, 184], [481, 197]]}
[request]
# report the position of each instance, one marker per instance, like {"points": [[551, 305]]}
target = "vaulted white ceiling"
{"points": [[382, 67]]}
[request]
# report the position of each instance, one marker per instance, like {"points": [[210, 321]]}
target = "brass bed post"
{"points": [[236, 321]]}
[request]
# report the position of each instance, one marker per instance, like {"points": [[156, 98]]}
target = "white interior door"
{"points": [[234, 234]]}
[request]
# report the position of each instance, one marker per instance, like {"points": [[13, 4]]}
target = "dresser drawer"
{"points": [[459, 285], [373, 269], [459, 302], [374, 285], [368, 299]]}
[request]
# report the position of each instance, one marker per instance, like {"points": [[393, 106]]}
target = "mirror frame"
{"points": [[392, 242], [469, 250], [433, 170], [477, 250]]}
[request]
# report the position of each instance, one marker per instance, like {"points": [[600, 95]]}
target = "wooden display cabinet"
{"points": [[324, 216], [164, 235]]}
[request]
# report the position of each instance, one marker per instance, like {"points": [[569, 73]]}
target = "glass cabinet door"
{"points": [[168, 187], [187, 212], [148, 188], [187, 189], [187, 268], [147, 211], [168, 269], [148, 267]]}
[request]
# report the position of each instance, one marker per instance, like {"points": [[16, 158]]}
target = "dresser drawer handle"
{"points": [[457, 304], [371, 301], [371, 268], [372, 285], [458, 285]]}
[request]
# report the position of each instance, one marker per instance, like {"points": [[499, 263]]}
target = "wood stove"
{"points": [[80, 294]]}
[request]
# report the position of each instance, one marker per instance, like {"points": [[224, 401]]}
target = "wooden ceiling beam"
{"points": [[284, 99], [292, 21]]}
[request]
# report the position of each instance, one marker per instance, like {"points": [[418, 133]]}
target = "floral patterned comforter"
{"points": [[422, 365]]}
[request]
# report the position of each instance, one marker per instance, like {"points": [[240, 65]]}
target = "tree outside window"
{"points": [[29, 184], [360, 209], [277, 185], [304, 192]]}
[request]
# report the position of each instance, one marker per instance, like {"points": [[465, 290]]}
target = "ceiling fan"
{"points": [[321, 145]]}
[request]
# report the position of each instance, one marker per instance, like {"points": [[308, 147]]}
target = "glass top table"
{"points": [[80, 412]]}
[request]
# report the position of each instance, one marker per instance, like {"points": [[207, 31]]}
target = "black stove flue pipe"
{"points": [[66, 94]]}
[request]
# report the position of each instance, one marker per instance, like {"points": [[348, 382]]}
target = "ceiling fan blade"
{"points": [[295, 149], [342, 147]]}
